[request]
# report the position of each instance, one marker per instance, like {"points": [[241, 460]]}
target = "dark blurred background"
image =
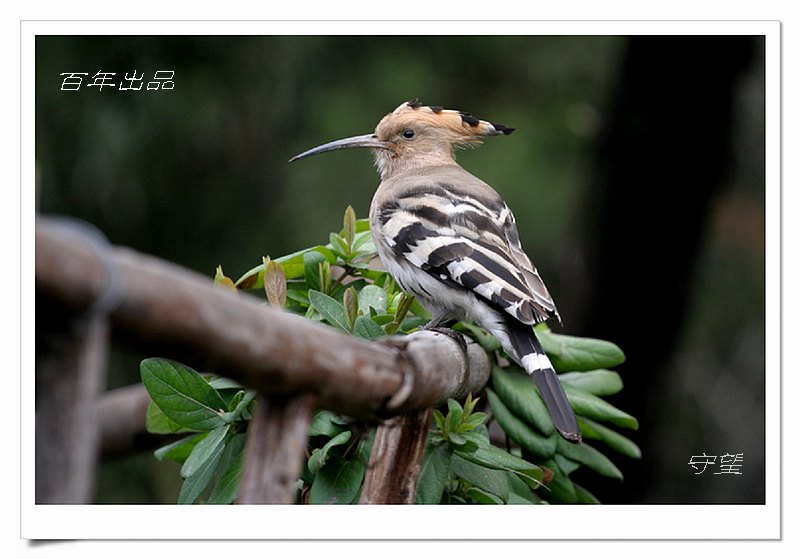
{"points": [[636, 175]]}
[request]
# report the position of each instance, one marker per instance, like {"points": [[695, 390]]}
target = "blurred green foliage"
{"points": [[201, 171]]}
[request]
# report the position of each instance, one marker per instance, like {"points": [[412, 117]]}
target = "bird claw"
{"points": [[437, 322]]}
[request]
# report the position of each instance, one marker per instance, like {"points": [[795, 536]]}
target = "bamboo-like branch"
{"points": [[177, 313]]}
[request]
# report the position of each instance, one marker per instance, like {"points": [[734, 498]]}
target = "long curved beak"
{"points": [[363, 141]]}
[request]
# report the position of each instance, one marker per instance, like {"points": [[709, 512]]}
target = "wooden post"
{"points": [[276, 444], [396, 460], [72, 349], [69, 374]]}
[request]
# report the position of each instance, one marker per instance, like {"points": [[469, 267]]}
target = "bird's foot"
{"points": [[438, 322]]}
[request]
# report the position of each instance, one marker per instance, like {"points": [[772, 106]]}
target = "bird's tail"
{"points": [[531, 355]]}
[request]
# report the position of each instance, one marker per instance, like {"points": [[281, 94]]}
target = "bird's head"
{"points": [[416, 135]]}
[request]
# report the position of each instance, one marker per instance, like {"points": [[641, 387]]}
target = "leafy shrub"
{"points": [[335, 284]]}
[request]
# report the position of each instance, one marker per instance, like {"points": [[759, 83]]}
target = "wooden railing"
{"points": [[86, 288]]}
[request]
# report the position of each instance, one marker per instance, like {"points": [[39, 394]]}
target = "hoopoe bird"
{"points": [[451, 241]]}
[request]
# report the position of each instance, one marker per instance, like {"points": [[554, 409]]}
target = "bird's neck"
{"points": [[391, 164]]}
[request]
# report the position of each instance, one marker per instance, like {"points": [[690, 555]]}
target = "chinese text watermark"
{"points": [[161, 80], [727, 464]]}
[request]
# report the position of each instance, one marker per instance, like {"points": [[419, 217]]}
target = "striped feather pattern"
{"points": [[457, 249], [468, 237]]}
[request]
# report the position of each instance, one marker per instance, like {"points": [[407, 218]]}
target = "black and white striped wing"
{"points": [[467, 238], [533, 280]]}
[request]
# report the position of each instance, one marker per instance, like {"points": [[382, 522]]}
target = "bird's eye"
{"points": [[408, 133]]}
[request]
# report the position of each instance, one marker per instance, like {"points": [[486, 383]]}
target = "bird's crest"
{"points": [[466, 127]]}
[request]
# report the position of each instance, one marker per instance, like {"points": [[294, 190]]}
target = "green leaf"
{"points": [[349, 230], [570, 353], [229, 469], [469, 406], [615, 441], [484, 338], [362, 225], [561, 488], [325, 277], [567, 466], [326, 252], [590, 457], [293, 264], [366, 272], [363, 241], [331, 309], [158, 423], [373, 297], [519, 492], [417, 308], [454, 414], [434, 476], [584, 496], [193, 486], [234, 402], [339, 245], [539, 445], [233, 398], [179, 451], [474, 419], [366, 328], [325, 423], [404, 304], [319, 456], [297, 296], [599, 382], [293, 267], [240, 410], [222, 383], [593, 407], [227, 488], [203, 451], [365, 443], [457, 439], [311, 266], [483, 432], [490, 480], [338, 482], [518, 392], [497, 459], [382, 319], [337, 292], [439, 418], [482, 497], [412, 323], [182, 394]]}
